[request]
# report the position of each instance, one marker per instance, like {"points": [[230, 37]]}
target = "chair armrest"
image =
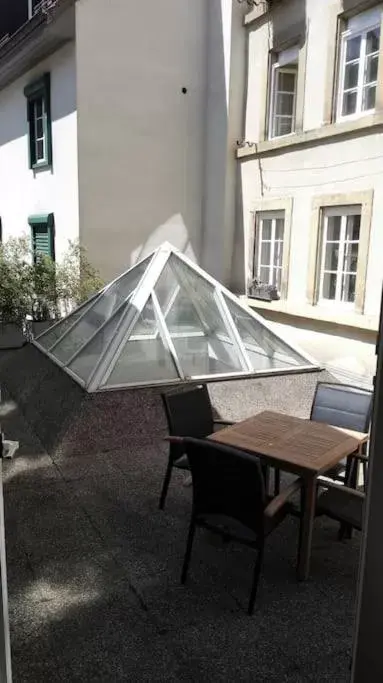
{"points": [[360, 456], [343, 489], [220, 424], [174, 439], [281, 499]]}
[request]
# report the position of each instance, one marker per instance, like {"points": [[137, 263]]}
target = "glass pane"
{"points": [[39, 150], [264, 349], [105, 306], [353, 48], [351, 73], [350, 262], [369, 95], [349, 103], [283, 125], [279, 228], [52, 335], [39, 128], [371, 73], [353, 227], [278, 249], [144, 360], [372, 41], [286, 81], [329, 286], [207, 356], [284, 104], [89, 357], [277, 276], [348, 288], [331, 256], [38, 107], [265, 253], [333, 228], [264, 275], [266, 228]]}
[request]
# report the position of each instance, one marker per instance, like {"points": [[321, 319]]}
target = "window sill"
{"points": [[41, 167], [307, 138], [333, 315]]}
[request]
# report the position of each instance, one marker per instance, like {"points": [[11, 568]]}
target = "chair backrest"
{"points": [[226, 481], [189, 412], [342, 405]]}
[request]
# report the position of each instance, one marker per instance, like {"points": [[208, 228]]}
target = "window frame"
{"points": [[343, 212], [354, 32], [276, 69], [365, 200], [273, 216], [39, 89]]}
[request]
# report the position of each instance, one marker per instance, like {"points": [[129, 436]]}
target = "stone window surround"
{"points": [[365, 199], [337, 25], [263, 205]]}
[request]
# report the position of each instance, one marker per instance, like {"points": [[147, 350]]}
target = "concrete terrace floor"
{"points": [[94, 568]]}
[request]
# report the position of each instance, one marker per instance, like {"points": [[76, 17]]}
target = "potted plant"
{"points": [[260, 290], [15, 291], [76, 278]]}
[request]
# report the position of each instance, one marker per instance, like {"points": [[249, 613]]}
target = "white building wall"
{"points": [[22, 191]]}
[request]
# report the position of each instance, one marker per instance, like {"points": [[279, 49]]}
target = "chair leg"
{"points": [[300, 534], [257, 571], [165, 485], [189, 546], [277, 482], [266, 477]]}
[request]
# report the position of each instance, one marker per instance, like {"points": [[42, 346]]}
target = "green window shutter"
{"points": [[43, 236]]}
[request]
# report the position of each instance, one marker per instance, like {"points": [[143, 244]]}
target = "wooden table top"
{"points": [[298, 445]]}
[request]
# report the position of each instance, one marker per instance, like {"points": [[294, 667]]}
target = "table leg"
{"points": [[307, 523]]}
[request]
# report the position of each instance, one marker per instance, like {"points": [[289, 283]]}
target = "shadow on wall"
{"points": [[173, 231]]}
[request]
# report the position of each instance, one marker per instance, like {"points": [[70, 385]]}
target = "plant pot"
{"points": [[263, 292], [11, 336]]}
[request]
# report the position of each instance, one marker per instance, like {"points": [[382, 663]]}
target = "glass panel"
{"points": [[39, 128], [351, 76], [353, 227], [264, 275], [144, 360], [371, 73], [283, 125], [349, 103], [331, 256], [264, 349], [333, 228], [286, 81], [266, 228], [329, 286], [353, 48], [265, 253], [89, 357], [372, 41], [52, 335], [348, 288], [284, 104], [38, 108], [39, 150], [350, 261], [278, 249], [106, 304], [277, 276], [207, 356], [369, 95], [279, 228]]}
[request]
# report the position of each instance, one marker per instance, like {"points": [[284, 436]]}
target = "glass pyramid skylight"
{"points": [[165, 320]]}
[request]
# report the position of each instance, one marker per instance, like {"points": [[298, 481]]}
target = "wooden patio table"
{"points": [[299, 446]]}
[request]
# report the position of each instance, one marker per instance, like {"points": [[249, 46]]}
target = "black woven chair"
{"points": [[188, 413], [229, 498], [341, 405]]}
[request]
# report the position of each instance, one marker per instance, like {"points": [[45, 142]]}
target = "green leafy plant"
{"points": [[76, 278], [15, 280]]}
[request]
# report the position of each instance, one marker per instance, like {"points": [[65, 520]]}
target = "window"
{"points": [[339, 257], [283, 94], [359, 64], [268, 251], [39, 123], [43, 237]]}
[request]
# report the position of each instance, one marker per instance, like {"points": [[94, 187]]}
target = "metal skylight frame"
{"points": [[135, 303]]}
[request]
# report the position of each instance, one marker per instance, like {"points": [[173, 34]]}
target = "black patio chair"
{"points": [[229, 498], [341, 405], [342, 503], [188, 413]]}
